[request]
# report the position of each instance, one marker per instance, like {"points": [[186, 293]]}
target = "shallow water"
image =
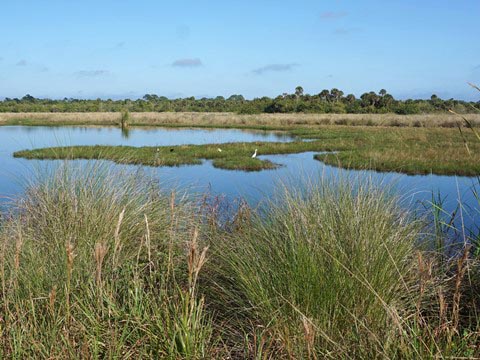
{"points": [[255, 187]]}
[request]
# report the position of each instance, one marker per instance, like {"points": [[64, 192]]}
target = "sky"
{"points": [[126, 48]]}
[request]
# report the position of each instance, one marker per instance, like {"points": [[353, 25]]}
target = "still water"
{"points": [[252, 186]]}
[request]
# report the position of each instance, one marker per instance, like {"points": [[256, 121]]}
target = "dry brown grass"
{"points": [[236, 120]]}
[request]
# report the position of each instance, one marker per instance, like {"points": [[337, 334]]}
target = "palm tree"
{"points": [[336, 94], [324, 94], [298, 91]]}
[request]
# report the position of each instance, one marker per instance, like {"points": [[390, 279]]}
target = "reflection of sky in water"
{"points": [[253, 186]]}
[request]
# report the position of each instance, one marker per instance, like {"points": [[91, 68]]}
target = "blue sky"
{"points": [[126, 48]]}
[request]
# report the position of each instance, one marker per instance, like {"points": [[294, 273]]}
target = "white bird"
{"points": [[254, 154], [219, 150]]}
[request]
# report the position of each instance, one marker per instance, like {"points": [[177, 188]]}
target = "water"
{"points": [[253, 186]]}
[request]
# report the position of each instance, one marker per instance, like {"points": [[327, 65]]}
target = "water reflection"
{"points": [[125, 132]]}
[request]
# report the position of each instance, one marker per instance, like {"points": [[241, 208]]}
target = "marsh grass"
{"points": [[405, 150], [335, 270], [223, 120], [320, 271], [96, 264]]}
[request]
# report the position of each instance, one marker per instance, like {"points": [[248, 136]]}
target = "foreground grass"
{"points": [[93, 267], [97, 265], [335, 270], [223, 120], [406, 150]]}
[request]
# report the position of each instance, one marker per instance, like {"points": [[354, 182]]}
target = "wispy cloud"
{"points": [[182, 32], [32, 66], [188, 62], [332, 15], [91, 73], [274, 68], [346, 31]]}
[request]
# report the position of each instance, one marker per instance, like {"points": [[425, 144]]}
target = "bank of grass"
{"points": [[97, 265], [405, 150], [231, 120]]}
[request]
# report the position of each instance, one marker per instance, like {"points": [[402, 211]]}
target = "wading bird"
{"points": [[219, 150], [254, 154]]}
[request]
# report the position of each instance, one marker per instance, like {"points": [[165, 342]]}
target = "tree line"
{"points": [[327, 101]]}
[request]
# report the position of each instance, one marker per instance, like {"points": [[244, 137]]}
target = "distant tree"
{"points": [[298, 91], [336, 94], [236, 98], [150, 97], [324, 94], [28, 98], [382, 92], [369, 99], [350, 98]]}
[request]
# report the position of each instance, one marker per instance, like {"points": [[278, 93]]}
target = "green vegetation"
{"points": [[125, 120], [406, 150], [104, 265], [326, 102], [235, 121], [95, 267]]}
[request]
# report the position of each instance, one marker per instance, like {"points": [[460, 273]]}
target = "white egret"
{"points": [[219, 150], [254, 154]]}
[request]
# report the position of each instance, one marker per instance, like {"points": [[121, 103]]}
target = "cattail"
{"points": [[117, 245], [100, 252], [461, 269], [18, 249], [70, 258], [442, 310], [195, 261], [172, 201], [309, 335], [148, 244], [51, 299]]}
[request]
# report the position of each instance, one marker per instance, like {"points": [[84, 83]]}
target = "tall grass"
{"points": [[94, 264], [101, 264], [335, 270], [321, 272], [272, 121]]}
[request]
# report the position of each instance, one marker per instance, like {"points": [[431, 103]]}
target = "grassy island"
{"points": [[406, 150]]}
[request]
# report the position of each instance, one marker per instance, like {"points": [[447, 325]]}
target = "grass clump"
{"points": [[337, 270], [320, 272], [99, 265], [245, 164]]}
